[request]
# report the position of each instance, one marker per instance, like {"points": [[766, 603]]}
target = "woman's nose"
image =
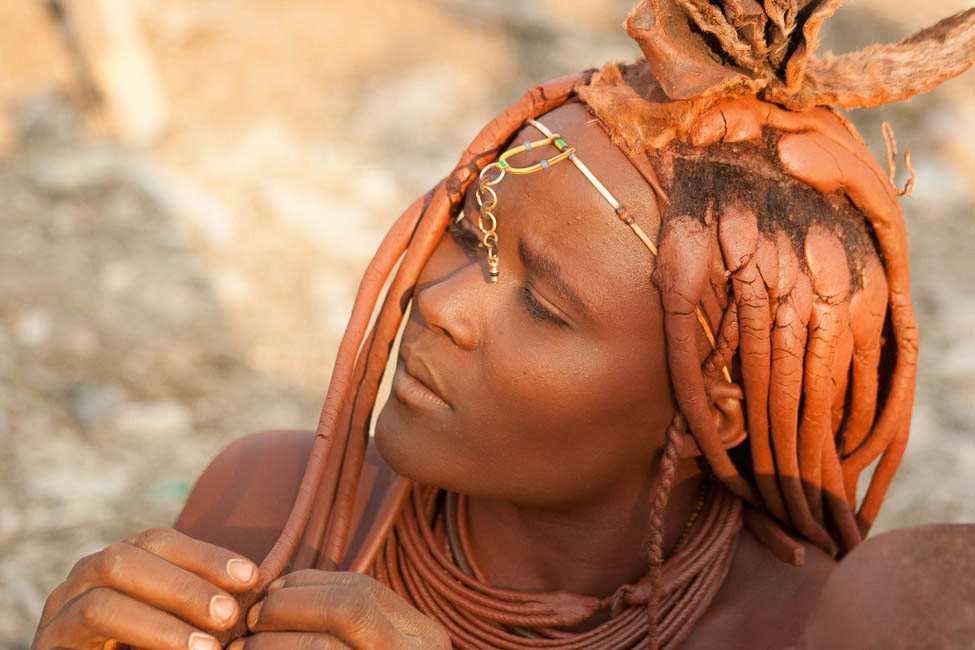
{"points": [[454, 303]]}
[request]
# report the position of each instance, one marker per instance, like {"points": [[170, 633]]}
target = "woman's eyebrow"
{"points": [[546, 268], [535, 262]]}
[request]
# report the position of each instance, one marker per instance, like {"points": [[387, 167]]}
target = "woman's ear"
{"points": [[725, 400]]}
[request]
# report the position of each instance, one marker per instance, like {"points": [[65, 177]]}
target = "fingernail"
{"points": [[200, 641], [236, 645], [277, 584], [222, 608], [241, 570], [254, 614]]}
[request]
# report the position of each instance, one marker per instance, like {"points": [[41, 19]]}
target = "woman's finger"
{"points": [[408, 622], [347, 580], [353, 615], [387, 600], [104, 614], [154, 581], [289, 641], [304, 578], [217, 565]]}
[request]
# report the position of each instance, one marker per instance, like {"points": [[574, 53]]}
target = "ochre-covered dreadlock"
{"points": [[823, 341], [811, 353]]}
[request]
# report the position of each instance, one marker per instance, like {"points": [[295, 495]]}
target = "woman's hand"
{"points": [[329, 609], [157, 590]]}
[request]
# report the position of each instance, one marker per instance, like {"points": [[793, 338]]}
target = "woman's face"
{"points": [[556, 375]]}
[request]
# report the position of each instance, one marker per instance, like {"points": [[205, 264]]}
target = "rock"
{"points": [[47, 119], [333, 293], [232, 285], [81, 341], [336, 226], [95, 404], [197, 209], [34, 328], [6, 354], [25, 593], [73, 171], [8, 135], [117, 277], [170, 491], [153, 419]]}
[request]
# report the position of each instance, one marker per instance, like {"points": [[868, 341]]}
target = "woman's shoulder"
{"points": [[764, 602], [906, 588], [243, 498]]}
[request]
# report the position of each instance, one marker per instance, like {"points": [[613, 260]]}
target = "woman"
{"points": [[668, 328]]}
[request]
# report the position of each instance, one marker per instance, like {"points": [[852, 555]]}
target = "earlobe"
{"points": [[725, 401]]}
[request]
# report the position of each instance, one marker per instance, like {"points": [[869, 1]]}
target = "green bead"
{"points": [[560, 143], [503, 164]]}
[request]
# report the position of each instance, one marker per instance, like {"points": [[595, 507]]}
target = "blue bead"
{"points": [[528, 144], [544, 164]]}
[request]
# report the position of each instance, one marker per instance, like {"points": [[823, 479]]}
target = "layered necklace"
{"points": [[426, 557]]}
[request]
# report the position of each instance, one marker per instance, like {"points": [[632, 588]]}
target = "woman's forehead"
{"points": [[560, 213]]}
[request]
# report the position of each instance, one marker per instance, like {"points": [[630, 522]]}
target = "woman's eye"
{"points": [[537, 310], [470, 243], [467, 240]]}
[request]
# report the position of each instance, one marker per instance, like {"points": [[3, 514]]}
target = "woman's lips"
{"points": [[411, 390]]}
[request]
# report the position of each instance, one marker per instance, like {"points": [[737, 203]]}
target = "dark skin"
{"points": [[554, 424], [905, 589]]}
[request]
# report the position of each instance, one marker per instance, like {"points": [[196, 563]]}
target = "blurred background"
{"points": [[190, 189]]}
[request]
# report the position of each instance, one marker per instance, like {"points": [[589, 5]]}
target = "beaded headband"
{"points": [[487, 201]]}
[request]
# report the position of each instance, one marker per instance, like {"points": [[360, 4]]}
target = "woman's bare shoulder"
{"points": [[764, 602], [244, 496], [906, 588]]}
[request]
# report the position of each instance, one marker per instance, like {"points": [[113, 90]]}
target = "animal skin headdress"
{"points": [[704, 51], [828, 357]]}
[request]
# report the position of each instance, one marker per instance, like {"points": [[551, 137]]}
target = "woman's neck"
{"points": [[591, 548]]}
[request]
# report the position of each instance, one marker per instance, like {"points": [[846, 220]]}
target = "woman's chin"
{"points": [[399, 439], [414, 448]]}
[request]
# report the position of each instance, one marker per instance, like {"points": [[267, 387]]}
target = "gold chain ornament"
{"points": [[491, 175]]}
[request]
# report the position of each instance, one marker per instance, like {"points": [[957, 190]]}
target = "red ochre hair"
{"points": [[827, 360]]}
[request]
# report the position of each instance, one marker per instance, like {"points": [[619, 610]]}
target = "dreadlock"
{"points": [[816, 319], [802, 268]]}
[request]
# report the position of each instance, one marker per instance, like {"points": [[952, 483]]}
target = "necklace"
{"points": [[455, 521], [430, 564], [458, 539]]}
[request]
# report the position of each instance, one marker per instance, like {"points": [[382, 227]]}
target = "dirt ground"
{"points": [[160, 298]]}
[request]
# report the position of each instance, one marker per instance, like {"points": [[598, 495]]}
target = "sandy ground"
{"points": [[157, 301]]}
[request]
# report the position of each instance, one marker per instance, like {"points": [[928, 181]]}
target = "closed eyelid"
{"points": [[544, 268], [467, 229], [534, 262], [535, 305]]}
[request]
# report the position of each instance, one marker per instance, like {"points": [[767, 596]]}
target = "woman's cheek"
{"points": [[546, 383]]}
